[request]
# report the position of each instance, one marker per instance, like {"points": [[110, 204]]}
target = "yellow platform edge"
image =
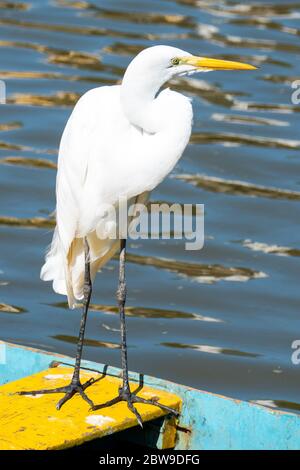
{"points": [[33, 423]]}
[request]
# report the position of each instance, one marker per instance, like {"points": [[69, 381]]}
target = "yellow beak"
{"points": [[215, 64]]}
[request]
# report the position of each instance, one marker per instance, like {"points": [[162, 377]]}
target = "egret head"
{"points": [[160, 63], [153, 67]]}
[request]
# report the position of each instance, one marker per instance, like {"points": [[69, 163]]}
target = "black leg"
{"points": [[121, 298], [125, 393], [75, 386]]}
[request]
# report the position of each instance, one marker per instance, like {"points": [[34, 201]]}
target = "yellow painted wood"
{"points": [[32, 422]]}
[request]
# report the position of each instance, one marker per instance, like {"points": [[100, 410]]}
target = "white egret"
{"points": [[120, 141]]}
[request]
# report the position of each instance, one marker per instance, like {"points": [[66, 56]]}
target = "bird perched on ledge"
{"points": [[120, 142]]}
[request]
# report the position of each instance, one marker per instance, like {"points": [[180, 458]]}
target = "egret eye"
{"points": [[175, 61]]}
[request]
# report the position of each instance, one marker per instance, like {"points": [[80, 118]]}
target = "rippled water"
{"points": [[221, 319]]}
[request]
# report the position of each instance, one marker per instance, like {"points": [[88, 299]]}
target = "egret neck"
{"points": [[139, 89]]}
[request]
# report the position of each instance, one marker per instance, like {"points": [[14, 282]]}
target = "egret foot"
{"points": [[68, 390], [131, 398]]}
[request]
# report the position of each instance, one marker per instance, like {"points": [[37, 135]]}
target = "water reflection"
{"points": [[5, 308], [86, 31], [273, 249], [7, 146], [29, 162], [143, 312], [59, 99], [37, 222], [264, 23], [283, 404], [199, 272], [255, 120], [241, 139], [136, 17], [14, 5], [219, 185], [210, 349], [10, 126], [87, 342]]}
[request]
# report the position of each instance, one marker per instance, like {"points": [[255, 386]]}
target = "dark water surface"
{"points": [[221, 319]]}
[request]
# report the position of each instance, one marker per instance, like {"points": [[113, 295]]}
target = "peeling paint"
{"points": [[98, 420]]}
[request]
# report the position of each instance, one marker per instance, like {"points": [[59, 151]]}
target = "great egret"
{"points": [[120, 141]]}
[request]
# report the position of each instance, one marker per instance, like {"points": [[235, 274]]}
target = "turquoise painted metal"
{"points": [[208, 421]]}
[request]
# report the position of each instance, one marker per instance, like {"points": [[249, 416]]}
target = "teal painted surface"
{"points": [[211, 421], [17, 362]]}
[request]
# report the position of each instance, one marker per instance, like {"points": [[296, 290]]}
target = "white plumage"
{"points": [[106, 153], [119, 142]]}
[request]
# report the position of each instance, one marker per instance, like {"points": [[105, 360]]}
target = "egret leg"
{"points": [[75, 386], [125, 393]]}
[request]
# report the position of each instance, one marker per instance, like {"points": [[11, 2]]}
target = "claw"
{"points": [[86, 398], [135, 412], [68, 390], [154, 401], [131, 398]]}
